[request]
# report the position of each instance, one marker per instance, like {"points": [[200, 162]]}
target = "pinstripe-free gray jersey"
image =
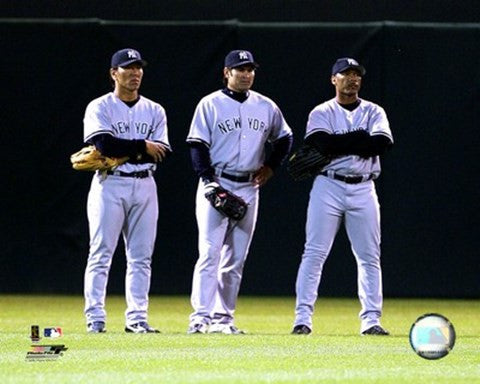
{"points": [[332, 118]]}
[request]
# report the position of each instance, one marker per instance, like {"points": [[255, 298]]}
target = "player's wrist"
{"points": [[208, 177], [212, 184], [140, 149], [210, 189]]}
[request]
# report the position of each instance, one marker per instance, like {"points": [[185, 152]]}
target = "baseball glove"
{"points": [[307, 162], [226, 202], [90, 159]]}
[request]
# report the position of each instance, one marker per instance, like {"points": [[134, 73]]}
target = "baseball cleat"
{"points": [[96, 327], [376, 330], [226, 329], [301, 330], [197, 328], [140, 327]]}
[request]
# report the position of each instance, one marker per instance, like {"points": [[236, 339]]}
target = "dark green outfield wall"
{"points": [[425, 75]]}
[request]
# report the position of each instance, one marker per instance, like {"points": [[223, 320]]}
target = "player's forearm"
{"points": [[372, 146], [201, 162], [352, 143], [335, 145], [114, 147], [280, 151]]}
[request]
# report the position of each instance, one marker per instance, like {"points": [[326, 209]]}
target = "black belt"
{"points": [[139, 174], [347, 179], [238, 179]]}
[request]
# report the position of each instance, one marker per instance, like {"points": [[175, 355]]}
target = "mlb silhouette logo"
{"points": [[52, 332]]}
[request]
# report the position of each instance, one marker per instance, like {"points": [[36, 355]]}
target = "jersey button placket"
{"points": [[243, 137], [243, 148], [130, 123]]}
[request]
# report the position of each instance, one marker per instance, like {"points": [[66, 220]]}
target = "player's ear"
{"points": [[333, 79], [113, 72]]}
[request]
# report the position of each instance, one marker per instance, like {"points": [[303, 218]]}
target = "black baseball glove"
{"points": [[307, 162], [225, 202]]}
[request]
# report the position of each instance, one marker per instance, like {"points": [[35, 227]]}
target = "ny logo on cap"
{"points": [[243, 55], [352, 62], [132, 54]]}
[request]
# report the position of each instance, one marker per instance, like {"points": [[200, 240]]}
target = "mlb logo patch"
{"points": [[52, 332]]}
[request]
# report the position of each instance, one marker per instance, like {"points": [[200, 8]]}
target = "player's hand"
{"points": [[156, 150], [210, 187], [262, 175]]}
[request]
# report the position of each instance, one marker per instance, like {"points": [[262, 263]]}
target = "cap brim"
{"points": [[126, 63], [252, 63], [359, 68]]}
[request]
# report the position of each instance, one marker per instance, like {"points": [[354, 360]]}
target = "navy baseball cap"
{"points": [[345, 63], [239, 57], [125, 57]]}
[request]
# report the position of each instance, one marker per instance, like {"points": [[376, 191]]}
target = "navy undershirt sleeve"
{"points": [[352, 143], [114, 147], [280, 151], [201, 162]]}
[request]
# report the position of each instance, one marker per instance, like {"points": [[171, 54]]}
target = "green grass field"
{"points": [[334, 353]]}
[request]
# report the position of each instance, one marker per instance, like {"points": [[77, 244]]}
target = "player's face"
{"points": [[129, 78], [347, 83], [240, 79]]}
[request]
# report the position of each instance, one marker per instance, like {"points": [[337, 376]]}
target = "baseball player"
{"points": [[355, 131], [124, 201], [227, 138]]}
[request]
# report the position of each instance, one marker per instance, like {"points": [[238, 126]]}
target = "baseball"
{"points": [[432, 336]]}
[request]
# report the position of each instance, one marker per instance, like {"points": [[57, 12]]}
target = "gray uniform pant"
{"points": [[120, 206], [223, 247], [332, 201]]}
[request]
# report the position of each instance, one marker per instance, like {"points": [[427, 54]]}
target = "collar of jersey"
{"points": [[238, 96]]}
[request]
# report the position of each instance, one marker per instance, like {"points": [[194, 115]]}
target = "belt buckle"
{"points": [[356, 179], [239, 179], [142, 174]]}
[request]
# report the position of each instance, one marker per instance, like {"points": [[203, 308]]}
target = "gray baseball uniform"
{"points": [[122, 202], [345, 191], [235, 134]]}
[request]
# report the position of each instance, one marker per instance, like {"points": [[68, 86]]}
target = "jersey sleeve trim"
{"points": [[316, 130], [197, 140], [96, 133], [383, 134], [287, 134], [166, 145]]}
